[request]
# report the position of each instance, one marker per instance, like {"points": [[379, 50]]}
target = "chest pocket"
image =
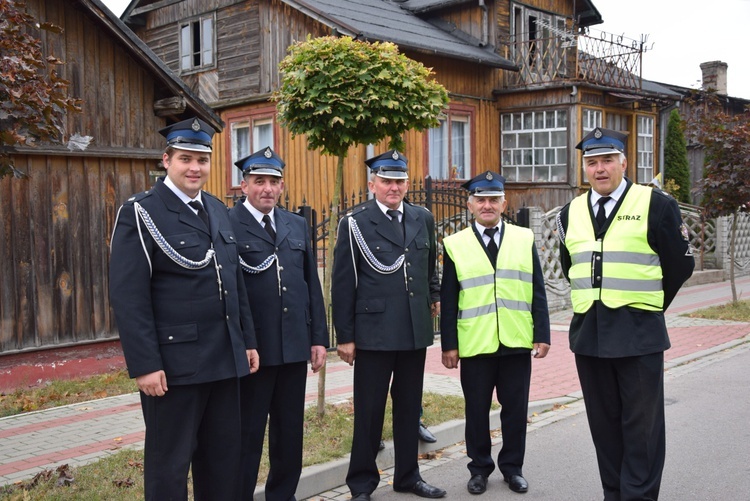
{"points": [[230, 243], [421, 242], [183, 240], [381, 246]]}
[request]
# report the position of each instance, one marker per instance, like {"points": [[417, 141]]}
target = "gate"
{"points": [[445, 199]]}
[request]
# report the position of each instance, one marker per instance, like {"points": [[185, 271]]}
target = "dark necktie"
{"points": [[397, 226], [269, 227], [491, 245], [195, 204], [601, 216]]}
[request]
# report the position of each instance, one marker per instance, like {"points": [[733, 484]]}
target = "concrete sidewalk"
{"points": [[82, 433]]}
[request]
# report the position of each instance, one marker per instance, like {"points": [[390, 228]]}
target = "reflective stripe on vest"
{"points": [[631, 270], [493, 308]]}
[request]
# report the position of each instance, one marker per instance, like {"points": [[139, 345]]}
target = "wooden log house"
{"points": [[527, 79], [56, 224]]}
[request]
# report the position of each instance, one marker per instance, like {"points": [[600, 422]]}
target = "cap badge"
{"points": [[598, 134], [267, 153], [488, 176], [196, 126], [395, 155]]}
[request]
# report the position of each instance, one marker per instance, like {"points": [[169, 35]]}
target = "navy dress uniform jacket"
{"points": [[374, 310], [171, 318], [287, 322]]}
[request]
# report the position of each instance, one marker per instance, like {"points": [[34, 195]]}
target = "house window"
{"points": [[541, 43], [450, 147], [249, 134], [591, 119], [197, 44], [534, 146], [645, 144]]}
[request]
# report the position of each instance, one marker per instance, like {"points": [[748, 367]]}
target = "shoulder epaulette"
{"points": [[138, 197], [356, 211]]}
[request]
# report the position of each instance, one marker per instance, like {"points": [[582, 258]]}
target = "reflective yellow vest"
{"points": [[493, 308], [631, 270]]}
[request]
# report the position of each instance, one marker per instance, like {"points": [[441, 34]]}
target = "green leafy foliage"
{"points": [[340, 92], [676, 167], [33, 98]]}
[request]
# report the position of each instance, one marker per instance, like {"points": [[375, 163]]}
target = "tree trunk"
{"points": [[333, 221], [732, 244]]}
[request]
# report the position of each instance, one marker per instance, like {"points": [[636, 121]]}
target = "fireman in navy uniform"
{"points": [[496, 264], [625, 252], [384, 292], [187, 334], [281, 278]]}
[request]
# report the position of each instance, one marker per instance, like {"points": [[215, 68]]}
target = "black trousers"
{"points": [[278, 392], [624, 400], [509, 376], [193, 425], [372, 376]]}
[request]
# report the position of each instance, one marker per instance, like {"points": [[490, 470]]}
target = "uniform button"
{"points": [[281, 268], [276, 248], [221, 267], [411, 294], [411, 278], [171, 338], [406, 250], [247, 247], [227, 318], [598, 278], [377, 247], [598, 258], [283, 289], [598, 239], [231, 237], [408, 264], [286, 309], [226, 292], [182, 242]]}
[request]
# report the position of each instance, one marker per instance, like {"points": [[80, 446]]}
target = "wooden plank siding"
{"points": [[56, 224], [55, 230]]}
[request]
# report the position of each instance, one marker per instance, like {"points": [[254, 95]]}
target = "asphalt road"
{"points": [[708, 444]]}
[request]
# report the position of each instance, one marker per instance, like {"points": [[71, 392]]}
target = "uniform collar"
{"points": [[258, 215], [185, 199], [614, 196], [385, 208]]}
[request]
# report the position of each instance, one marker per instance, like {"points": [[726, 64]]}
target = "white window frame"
{"points": [[197, 44], [450, 148], [541, 41], [535, 146], [645, 149], [262, 135]]}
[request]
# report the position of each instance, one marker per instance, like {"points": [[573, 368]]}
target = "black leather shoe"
{"points": [[425, 435], [381, 445], [363, 496], [424, 490], [517, 483], [477, 484]]}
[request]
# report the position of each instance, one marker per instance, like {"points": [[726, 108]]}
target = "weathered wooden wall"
{"points": [[56, 224], [55, 228]]}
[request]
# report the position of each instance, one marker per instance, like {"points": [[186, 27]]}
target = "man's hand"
{"points": [[435, 309], [450, 359], [347, 352], [317, 357], [253, 360], [153, 384], [541, 350]]}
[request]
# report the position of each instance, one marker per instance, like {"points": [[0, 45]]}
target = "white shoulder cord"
{"points": [[370, 259], [254, 270]]}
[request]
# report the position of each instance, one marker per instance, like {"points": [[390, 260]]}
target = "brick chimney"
{"points": [[715, 76]]}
